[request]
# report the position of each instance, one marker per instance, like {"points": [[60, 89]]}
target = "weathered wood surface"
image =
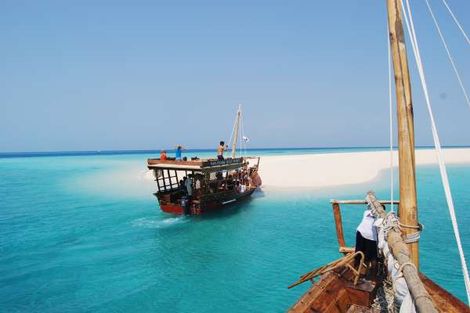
{"points": [[339, 225], [334, 265], [444, 301], [406, 142], [334, 294], [206, 165], [399, 249], [333, 201]]}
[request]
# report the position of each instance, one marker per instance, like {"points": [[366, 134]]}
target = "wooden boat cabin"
{"points": [[196, 186]]}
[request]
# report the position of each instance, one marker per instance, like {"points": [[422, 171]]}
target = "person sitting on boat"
{"points": [[188, 183], [179, 149], [197, 186], [183, 184], [366, 237], [237, 186], [163, 156], [220, 150]]}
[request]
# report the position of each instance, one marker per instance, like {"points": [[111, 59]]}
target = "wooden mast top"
{"points": [[236, 130], [408, 212]]}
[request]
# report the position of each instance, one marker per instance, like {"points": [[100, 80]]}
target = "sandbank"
{"points": [[335, 169]]}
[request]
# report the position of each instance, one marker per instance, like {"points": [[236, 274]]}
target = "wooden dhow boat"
{"points": [[349, 285], [213, 183]]}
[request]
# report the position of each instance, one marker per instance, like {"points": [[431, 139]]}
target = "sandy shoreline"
{"points": [[335, 169]]}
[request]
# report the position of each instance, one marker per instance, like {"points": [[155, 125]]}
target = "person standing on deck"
{"points": [[220, 150], [366, 238], [179, 149]]}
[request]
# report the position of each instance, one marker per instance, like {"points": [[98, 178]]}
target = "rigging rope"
{"points": [[243, 138], [232, 135], [442, 167], [390, 107], [456, 21], [448, 53]]}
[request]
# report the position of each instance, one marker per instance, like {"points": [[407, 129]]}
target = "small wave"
{"points": [[146, 222]]}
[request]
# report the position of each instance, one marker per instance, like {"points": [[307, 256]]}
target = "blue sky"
{"points": [[100, 75]]}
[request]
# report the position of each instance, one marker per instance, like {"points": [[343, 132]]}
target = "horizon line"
{"points": [[138, 151]]}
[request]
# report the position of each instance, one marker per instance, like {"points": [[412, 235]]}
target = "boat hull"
{"points": [[335, 293], [206, 203]]}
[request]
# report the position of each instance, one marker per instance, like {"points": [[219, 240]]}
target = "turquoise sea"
{"points": [[81, 232]]}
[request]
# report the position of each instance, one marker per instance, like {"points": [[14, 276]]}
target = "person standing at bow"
{"points": [[220, 150], [366, 239]]}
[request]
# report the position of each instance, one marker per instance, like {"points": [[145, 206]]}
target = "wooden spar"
{"points": [[400, 251], [408, 212], [361, 201], [235, 135], [339, 225]]}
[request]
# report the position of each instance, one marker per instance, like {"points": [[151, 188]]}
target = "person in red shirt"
{"points": [[163, 155]]}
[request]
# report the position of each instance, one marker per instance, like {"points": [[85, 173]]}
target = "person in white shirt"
{"points": [[189, 186], [366, 237]]}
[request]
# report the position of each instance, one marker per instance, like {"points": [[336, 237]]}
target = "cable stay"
{"points": [[442, 167], [456, 21], [448, 53]]}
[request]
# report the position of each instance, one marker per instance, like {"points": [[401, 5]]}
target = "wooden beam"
{"points": [[406, 145], [400, 251], [339, 225], [361, 201]]}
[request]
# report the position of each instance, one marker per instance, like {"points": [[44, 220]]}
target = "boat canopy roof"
{"points": [[204, 165]]}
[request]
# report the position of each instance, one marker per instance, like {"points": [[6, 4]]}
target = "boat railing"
{"points": [[343, 248], [348, 261], [398, 248]]}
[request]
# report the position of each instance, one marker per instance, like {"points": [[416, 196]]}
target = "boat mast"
{"points": [[236, 130], [408, 212]]}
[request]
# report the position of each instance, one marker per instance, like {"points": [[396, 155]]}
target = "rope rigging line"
{"points": [[448, 53], [243, 141], [442, 167], [233, 132], [242, 146], [232, 135], [456, 21], [390, 107]]}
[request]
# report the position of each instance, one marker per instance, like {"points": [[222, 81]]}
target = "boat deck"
{"points": [[199, 164]]}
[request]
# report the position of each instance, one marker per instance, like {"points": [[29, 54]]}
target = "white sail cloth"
{"points": [[402, 293]]}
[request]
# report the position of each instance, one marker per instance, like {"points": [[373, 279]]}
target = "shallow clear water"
{"points": [[84, 234]]}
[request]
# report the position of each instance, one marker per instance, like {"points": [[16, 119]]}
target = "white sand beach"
{"points": [[334, 169]]}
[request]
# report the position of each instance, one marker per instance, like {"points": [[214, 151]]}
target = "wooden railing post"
{"points": [[339, 224]]}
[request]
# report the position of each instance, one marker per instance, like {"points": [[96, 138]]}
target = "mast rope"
{"points": [[442, 167], [451, 59], [390, 115], [384, 225], [232, 133], [242, 136], [456, 21]]}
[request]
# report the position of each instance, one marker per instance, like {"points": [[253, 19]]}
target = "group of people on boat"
{"points": [[179, 152]]}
